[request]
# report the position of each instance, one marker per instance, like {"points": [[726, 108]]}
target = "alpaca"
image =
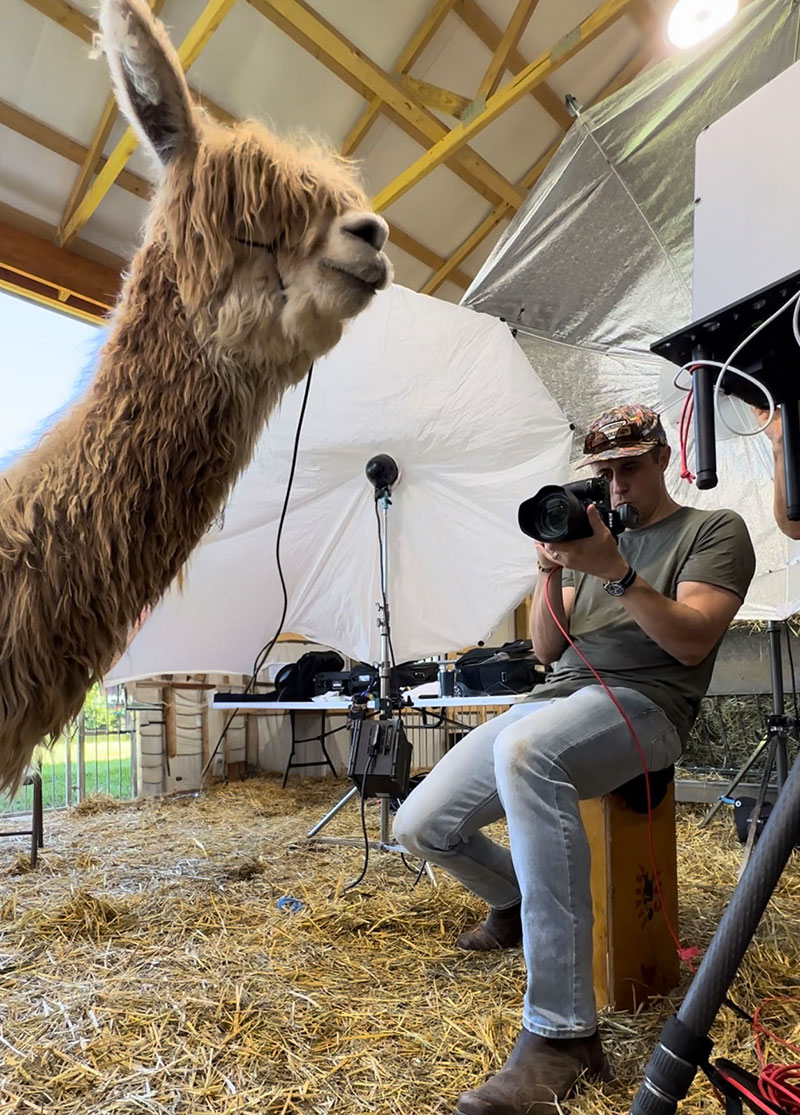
{"points": [[254, 254]]}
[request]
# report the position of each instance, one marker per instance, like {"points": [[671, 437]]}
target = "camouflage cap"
{"points": [[627, 431]]}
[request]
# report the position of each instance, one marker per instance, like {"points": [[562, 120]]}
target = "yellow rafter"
{"points": [[434, 96], [67, 148], [45, 136], [411, 52], [329, 46], [87, 169], [84, 27], [503, 99], [628, 72], [511, 36], [52, 302], [480, 24], [499, 213], [425, 255], [90, 164], [200, 33]]}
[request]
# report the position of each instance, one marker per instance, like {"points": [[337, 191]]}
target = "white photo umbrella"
{"points": [[451, 397]]}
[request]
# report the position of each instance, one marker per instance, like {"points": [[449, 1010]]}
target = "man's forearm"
{"points": [[678, 629], [548, 642]]}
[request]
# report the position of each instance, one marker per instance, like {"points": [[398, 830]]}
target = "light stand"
{"points": [[779, 727], [380, 755]]}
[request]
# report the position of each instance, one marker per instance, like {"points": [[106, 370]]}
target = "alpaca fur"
{"points": [[254, 254]]}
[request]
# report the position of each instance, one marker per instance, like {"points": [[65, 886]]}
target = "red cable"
{"points": [[684, 427], [776, 1081], [685, 954]]}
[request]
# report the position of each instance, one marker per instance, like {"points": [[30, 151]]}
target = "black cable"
{"points": [[791, 668], [367, 772], [262, 655], [264, 652]]}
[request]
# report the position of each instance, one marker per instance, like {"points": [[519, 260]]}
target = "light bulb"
{"points": [[691, 21]]}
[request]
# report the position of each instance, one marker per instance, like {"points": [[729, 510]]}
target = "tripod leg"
{"points": [[430, 874], [684, 1040], [774, 743], [732, 786], [332, 813]]}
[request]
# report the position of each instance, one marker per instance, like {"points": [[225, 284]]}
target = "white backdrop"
{"points": [[449, 394]]}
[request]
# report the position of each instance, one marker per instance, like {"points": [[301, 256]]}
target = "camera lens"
{"points": [[552, 517]]}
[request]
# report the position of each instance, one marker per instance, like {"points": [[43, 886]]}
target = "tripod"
{"points": [[684, 1045], [775, 743], [383, 473]]}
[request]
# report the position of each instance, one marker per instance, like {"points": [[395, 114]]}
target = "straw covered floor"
{"points": [[146, 966]]}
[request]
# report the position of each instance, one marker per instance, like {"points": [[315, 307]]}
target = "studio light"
{"points": [[691, 21]]}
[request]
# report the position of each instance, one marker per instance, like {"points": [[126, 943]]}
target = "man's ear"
{"points": [[148, 81], [664, 454]]}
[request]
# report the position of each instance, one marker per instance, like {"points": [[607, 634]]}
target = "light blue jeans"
{"points": [[533, 765]]}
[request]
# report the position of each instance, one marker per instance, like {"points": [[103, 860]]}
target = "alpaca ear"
{"points": [[148, 81]]}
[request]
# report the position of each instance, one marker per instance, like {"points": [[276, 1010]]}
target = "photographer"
{"points": [[649, 614], [774, 432]]}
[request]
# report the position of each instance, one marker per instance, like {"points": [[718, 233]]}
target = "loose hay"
{"points": [[146, 967]]}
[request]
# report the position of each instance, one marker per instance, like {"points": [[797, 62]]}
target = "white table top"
{"points": [[340, 703]]}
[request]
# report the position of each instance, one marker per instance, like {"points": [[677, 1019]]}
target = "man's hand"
{"points": [[545, 559], [597, 555]]}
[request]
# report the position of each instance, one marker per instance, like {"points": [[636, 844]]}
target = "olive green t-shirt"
{"points": [[712, 547]]}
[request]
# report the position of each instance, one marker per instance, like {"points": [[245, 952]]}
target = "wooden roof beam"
{"points": [[629, 71], [41, 133], [426, 255], [38, 260], [321, 39], [199, 35], [67, 148], [482, 26], [434, 96], [478, 235], [508, 42], [405, 60], [506, 96], [90, 164], [84, 27]]}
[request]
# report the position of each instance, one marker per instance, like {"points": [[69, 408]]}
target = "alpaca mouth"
{"points": [[375, 281]]}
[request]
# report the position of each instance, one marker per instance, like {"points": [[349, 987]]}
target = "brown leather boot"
{"points": [[539, 1071], [502, 929]]}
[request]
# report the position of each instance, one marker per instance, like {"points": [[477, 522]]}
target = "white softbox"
{"points": [[449, 394]]}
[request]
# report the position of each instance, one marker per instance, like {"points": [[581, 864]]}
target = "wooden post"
{"points": [[170, 721], [634, 954], [251, 741], [205, 731]]}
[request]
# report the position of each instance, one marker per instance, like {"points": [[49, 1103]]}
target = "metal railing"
{"points": [[98, 755]]}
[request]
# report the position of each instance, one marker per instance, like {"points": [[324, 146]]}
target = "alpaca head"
{"points": [[274, 245]]}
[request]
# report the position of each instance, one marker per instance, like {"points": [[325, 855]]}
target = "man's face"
{"points": [[636, 480]]}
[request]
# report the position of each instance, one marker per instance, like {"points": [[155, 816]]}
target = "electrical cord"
{"points": [[780, 1084], [791, 664], [367, 772], [262, 655]]}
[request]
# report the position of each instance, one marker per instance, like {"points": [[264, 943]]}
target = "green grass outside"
{"points": [[108, 771]]}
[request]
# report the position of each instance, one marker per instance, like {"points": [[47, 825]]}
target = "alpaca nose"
{"points": [[370, 228]]}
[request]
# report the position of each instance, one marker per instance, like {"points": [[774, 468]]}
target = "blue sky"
{"points": [[45, 357]]}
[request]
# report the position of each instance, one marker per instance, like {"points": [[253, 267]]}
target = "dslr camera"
{"points": [[557, 513]]}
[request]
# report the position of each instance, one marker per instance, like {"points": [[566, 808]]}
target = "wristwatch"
{"points": [[619, 588]]}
